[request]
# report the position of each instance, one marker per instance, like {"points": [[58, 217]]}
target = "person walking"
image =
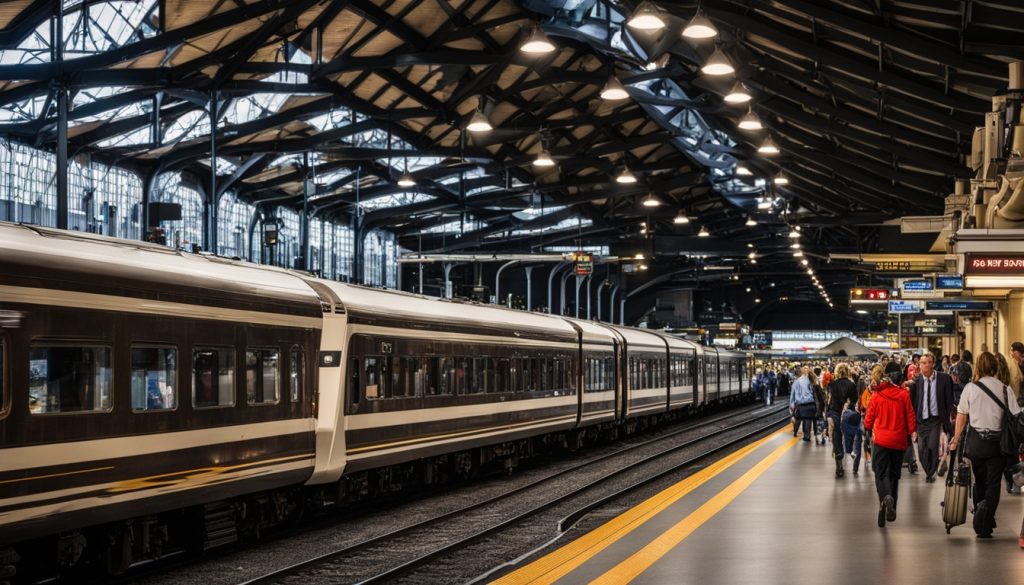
{"points": [[841, 391], [981, 412], [891, 420], [931, 393], [801, 403], [819, 407]]}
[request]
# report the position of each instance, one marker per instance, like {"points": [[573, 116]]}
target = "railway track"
{"points": [[361, 562]]}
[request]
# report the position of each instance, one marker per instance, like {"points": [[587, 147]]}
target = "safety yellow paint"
{"points": [[642, 560], [561, 562]]}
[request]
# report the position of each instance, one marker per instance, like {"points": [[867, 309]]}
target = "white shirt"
{"points": [[985, 414]]}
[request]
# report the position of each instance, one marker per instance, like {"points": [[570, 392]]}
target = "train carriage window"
{"points": [[375, 384], [296, 372], [69, 379], [405, 374], [154, 378], [213, 377], [447, 375], [262, 381], [431, 376], [500, 367]]}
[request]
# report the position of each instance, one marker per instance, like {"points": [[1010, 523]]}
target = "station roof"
{"points": [[872, 104]]}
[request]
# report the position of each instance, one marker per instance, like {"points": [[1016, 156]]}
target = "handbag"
{"points": [[1009, 439]]}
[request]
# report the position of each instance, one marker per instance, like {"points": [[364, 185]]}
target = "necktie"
{"points": [[927, 399]]}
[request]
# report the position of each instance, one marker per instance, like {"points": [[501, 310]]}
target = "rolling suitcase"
{"points": [[958, 491]]}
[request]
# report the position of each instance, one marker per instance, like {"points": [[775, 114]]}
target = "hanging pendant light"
{"points": [[479, 123], [703, 233], [681, 219], [738, 94], [646, 17], [743, 171], [718, 64], [794, 233], [625, 176], [700, 27], [768, 147], [406, 180], [651, 201], [538, 43], [781, 179], [614, 90], [751, 222], [544, 159], [750, 121]]}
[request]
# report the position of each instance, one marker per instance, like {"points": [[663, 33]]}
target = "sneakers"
{"points": [[881, 514], [890, 508]]}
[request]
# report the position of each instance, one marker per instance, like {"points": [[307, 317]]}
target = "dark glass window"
{"points": [[262, 379], [297, 373], [154, 378], [70, 379], [213, 380]]}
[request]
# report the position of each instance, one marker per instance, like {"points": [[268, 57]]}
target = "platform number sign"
{"points": [[584, 263]]}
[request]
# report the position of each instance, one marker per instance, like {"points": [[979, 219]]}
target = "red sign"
{"points": [[995, 264], [870, 294], [584, 263]]}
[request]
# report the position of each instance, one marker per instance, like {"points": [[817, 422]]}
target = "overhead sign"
{"points": [[958, 305], [893, 266], [918, 285], [949, 282], [896, 307], [584, 263], [870, 295], [1005, 264]]}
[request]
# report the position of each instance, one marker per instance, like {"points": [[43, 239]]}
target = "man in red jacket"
{"points": [[891, 420]]}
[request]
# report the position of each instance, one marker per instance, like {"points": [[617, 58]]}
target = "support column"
{"points": [[600, 289], [57, 53], [529, 288], [561, 304], [497, 281], [590, 280], [304, 221], [211, 228], [611, 304], [1013, 329], [579, 283], [447, 281], [551, 277]]}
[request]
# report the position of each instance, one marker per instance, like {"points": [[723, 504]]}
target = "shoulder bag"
{"points": [[1009, 438]]}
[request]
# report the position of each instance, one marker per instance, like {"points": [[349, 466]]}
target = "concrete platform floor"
{"points": [[773, 513]]}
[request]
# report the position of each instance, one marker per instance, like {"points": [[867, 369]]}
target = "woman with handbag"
{"points": [[983, 410], [891, 420]]}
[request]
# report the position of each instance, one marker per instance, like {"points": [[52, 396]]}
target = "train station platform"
{"points": [[773, 512]]}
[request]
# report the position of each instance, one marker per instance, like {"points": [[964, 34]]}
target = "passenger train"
{"points": [[150, 397]]}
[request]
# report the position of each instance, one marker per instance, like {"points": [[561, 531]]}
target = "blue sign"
{"points": [[949, 282], [904, 307], [923, 285], [958, 305]]}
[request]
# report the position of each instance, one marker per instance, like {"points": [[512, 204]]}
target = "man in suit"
{"points": [[931, 393]]}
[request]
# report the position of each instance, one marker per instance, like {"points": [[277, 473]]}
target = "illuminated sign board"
{"points": [[920, 285], [949, 282], [1004, 264], [904, 307], [584, 263], [873, 295], [958, 305]]}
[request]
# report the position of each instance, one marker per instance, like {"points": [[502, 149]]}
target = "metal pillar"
{"points": [[579, 283], [622, 310], [590, 280], [211, 228], [561, 305], [600, 289], [551, 277], [497, 281], [529, 288], [57, 50], [611, 304], [304, 225], [421, 277], [447, 282]]}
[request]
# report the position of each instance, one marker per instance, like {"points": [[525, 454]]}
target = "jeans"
{"points": [[836, 434], [887, 465], [853, 436]]}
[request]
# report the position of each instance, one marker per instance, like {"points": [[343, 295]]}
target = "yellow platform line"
{"points": [[558, 563], [644, 558]]}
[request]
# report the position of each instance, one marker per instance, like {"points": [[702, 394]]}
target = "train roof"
{"points": [[37, 257], [401, 308]]}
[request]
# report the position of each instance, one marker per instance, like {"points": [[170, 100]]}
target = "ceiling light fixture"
{"points": [[738, 94], [794, 233], [544, 159], [781, 179], [681, 219], [625, 176], [752, 255], [646, 17], [700, 27], [804, 262], [651, 201], [750, 121], [742, 170], [538, 43], [406, 180], [764, 203], [751, 222], [768, 147], [614, 90], [479, 123], [718, 64], [703, 233], [638, 257], [798, 254]]}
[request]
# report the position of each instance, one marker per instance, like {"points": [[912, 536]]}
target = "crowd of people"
{"points": [[912, 413]]}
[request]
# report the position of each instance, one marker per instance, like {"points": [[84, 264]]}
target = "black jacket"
{"points": [[944, 398], [839, 392]]}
